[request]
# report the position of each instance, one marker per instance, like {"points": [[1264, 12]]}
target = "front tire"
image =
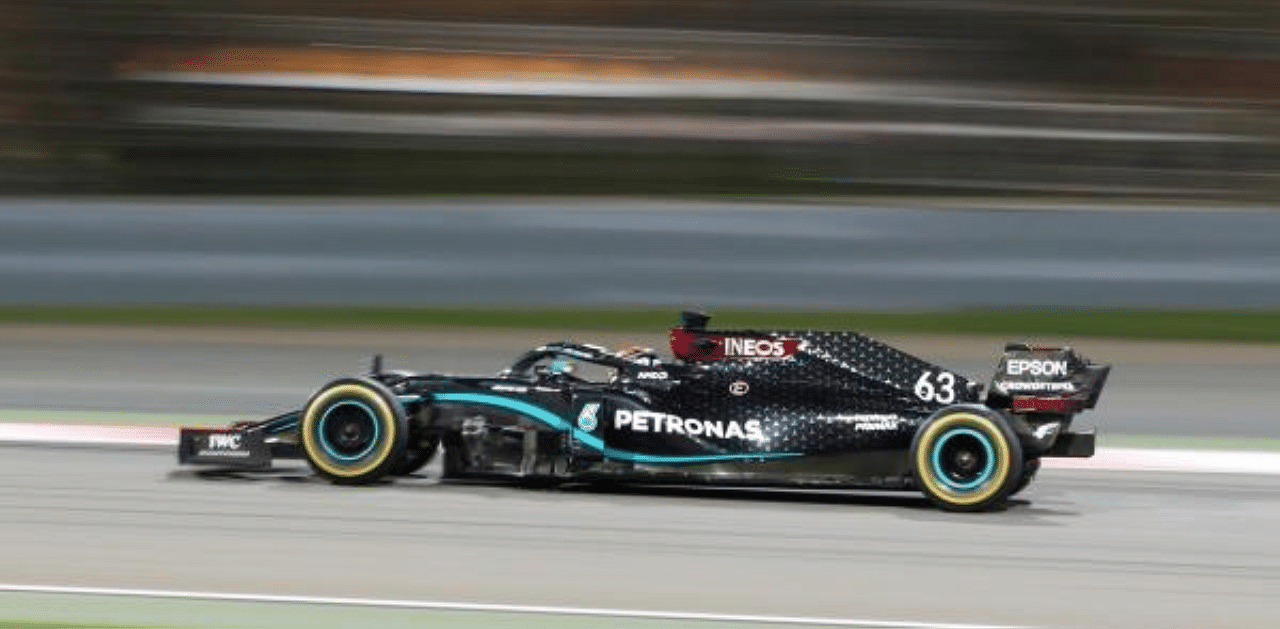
{"points": [[966, 459], [353, 431], [417, 457]]}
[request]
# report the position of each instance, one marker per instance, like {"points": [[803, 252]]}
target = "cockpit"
{"points": [[571, 362]]}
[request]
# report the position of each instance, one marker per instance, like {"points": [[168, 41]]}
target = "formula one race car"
{"points": [[743, 407]]}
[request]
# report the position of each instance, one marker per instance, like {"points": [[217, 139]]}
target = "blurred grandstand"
{"points": [[1168, 98]]}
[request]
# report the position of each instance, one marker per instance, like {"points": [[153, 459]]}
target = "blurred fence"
{"points": [[1140, 97]]}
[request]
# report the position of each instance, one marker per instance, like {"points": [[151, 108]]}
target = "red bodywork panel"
{"points": [[690, 345], [1035, 404]]}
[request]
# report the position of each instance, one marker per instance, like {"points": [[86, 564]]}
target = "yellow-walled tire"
{"points": [[353, 431], [966, 459]]}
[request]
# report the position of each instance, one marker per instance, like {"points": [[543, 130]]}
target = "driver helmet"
{"points": [[563, 366], [637, 353]]}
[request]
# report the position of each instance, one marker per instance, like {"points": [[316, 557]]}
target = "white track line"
{"points": [[89, 435], [1160, 460], [492, 608], [1112, 459]]}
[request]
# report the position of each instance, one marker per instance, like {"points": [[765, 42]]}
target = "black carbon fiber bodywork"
{"points": [[793, 408]]}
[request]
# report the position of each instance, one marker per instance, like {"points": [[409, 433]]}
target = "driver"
{"points": [[638, 354], [562, 366]]}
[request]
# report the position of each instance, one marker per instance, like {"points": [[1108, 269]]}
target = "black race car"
{"points": [[742, 407]]}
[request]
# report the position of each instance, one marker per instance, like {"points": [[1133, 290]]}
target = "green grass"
{"points": [[31, 624], [53, 611], [1180, 442], [1254, 326]]}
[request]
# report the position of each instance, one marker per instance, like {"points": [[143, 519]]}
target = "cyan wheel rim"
{"points": [[322, 435], [940, 472]]}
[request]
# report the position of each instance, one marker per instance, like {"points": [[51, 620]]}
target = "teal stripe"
{"points": [[404, 399], [986, 470], [559, 423], [324, 441], [290, 422]]}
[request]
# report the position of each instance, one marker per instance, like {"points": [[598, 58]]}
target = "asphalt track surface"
{"points": [[1084, 549], [617, 252]]}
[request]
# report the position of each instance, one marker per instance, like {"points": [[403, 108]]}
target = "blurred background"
{"points": [[210, 207], [1167, 98]]}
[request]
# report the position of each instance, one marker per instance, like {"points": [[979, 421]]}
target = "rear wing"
{"points": [[1043, 379]]}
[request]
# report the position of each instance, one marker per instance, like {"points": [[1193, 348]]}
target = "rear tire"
{"points": [[353, 431], [1029, 469], [966, 459]]}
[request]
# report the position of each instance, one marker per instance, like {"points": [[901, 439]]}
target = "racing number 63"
{"points": [[940, 387]]}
